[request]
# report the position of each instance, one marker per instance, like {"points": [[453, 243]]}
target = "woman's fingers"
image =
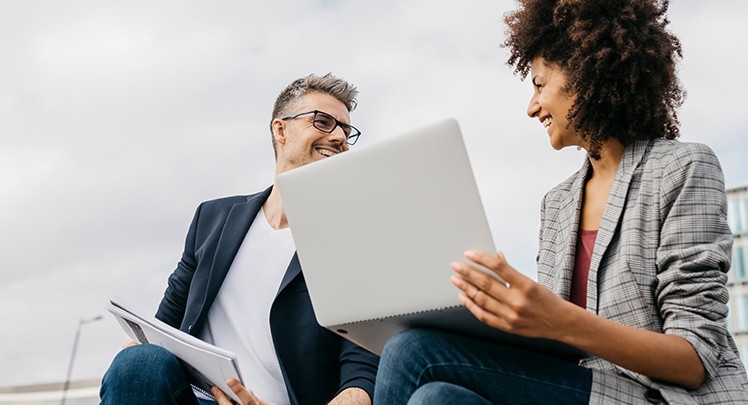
{"points": [[478, 278], [510, 303], [485, 305], [495, 262], [483, 315]]}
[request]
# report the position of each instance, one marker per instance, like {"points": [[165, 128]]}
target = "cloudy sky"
{"points": [[118, 118]]}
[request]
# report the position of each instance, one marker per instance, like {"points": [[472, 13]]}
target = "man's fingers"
{"points": [[220, 397], [245, 394], [235, 386]]}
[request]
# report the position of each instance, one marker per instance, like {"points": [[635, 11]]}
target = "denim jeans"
{"points": [[424, 366], [147, 374]]}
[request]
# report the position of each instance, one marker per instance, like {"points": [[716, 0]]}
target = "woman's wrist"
{"points": [[573, 324]]}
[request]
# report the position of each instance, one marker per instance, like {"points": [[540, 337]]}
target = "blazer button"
{"points": [[653, 396]]}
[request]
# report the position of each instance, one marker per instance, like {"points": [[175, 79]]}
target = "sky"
{"points": [[118, 118]]}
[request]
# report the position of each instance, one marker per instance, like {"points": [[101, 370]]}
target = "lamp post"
{"points": [[81, 322]]}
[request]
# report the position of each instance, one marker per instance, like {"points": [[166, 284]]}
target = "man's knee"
{"points": [[146, 374], [142, 364]]}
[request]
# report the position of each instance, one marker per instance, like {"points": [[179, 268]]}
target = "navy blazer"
{"points": [[316, 363]]}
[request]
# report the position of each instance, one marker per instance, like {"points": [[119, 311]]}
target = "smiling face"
{"points": [[299, 142], [550, 104]]}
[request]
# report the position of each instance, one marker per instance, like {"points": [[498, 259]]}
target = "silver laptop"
{"points": [[376, 229]]}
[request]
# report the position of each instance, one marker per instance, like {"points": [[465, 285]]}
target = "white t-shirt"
{"points": [[239, 319]]}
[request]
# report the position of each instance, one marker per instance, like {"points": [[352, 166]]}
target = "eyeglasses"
{"points": [[327, 123]]}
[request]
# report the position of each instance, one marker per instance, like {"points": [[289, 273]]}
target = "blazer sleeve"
{"points": [[174, 303], [358, 367], [694, 252]]}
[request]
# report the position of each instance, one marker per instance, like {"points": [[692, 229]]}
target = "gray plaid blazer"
{"points": [[659, 263]]}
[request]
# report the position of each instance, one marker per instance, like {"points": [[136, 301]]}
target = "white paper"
{"points": [[207, 364]]}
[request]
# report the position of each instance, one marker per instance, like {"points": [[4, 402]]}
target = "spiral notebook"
{"points": [[376, 229], [207, 365]]}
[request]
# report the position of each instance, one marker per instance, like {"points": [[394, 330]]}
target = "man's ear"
{"points": [[279, 131]]}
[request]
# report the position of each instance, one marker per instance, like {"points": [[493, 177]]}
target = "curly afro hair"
{"points": [[619, 59]]}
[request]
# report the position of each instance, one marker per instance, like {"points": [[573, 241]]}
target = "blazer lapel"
{"points": [[294, 268], [568, 219], [237, 224], [612, 214]]}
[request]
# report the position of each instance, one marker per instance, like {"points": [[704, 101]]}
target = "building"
{"points": [[737, 284]]}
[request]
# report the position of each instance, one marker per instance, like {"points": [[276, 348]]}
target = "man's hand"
{"points": [[351, 396], [246, 395]]}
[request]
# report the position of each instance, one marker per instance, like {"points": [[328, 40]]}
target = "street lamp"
{"points": [[81, 322]]}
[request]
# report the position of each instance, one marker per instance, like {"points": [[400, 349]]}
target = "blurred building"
{"points": [[737, 320], [82, 392]]}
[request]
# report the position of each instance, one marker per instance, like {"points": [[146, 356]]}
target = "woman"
{"points": [[634, 247]]}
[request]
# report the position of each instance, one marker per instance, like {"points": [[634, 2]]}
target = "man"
{"points": [[239, 283]]}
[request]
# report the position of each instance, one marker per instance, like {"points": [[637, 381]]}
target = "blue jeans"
{"points": [[147, 374], [424, 366]]}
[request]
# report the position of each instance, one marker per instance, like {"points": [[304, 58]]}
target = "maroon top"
{"points": [[585, 244]]}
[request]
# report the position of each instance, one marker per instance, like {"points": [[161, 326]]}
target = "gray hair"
{"points": [[328, 84]]}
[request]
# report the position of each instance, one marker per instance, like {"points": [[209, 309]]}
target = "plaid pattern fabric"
{"points": [[659, 263]]}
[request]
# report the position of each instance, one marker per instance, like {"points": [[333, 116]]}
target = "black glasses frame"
{"points": [[351, 132]]}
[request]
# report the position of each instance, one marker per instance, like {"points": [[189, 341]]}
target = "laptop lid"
{"points": [[376, 228]]}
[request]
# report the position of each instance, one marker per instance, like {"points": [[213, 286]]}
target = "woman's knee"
{"points": [[409, 343], [413, 350], [445, 393]]}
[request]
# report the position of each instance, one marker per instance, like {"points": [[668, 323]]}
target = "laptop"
{"points": [[376, 230]]}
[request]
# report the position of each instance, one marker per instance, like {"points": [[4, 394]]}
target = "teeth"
{"points": [[325, 152], [547, 122]]}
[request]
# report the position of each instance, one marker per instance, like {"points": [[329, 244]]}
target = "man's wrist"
{"points": [[352, 396]]}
